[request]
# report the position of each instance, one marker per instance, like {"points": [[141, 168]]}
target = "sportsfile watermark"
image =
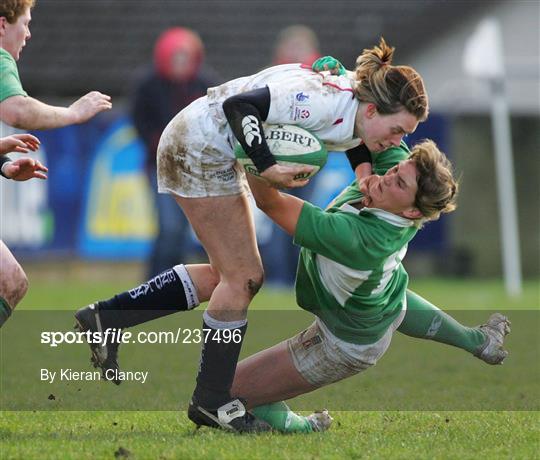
{"points": [[46, 365], [113, 335]]}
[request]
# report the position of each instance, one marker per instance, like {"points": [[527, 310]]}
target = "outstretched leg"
{"points": [[425, 321], [180, 288]]}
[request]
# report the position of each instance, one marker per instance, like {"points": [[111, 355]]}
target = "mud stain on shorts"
{"points": [[173, 157], [170, 166]]}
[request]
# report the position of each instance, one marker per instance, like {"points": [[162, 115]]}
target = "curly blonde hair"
{"points": [[437, 187], [12, 9], [390, 88]]}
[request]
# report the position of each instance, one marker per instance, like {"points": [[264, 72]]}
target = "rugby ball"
{"points": [[291, 145]]}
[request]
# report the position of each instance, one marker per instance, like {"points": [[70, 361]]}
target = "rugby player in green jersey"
{"points": [[19, 110], [350, 276]]}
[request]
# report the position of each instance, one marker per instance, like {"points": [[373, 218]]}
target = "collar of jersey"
{"points": [[7, 55], [392, 219]]}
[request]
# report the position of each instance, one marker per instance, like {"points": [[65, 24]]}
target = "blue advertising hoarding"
{"points": [[118, 218]]}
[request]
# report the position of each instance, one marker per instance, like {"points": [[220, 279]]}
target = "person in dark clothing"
{"points": [[178, 77]]}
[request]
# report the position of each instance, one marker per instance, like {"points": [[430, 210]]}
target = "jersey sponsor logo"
{"points": [[279, 135], [301, 114], [301, 97], [252, 131]]}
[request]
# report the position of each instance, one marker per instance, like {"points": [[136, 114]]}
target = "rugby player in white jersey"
{"points": [[196, 164], [19, 110]]}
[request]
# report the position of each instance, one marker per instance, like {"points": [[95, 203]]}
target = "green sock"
{"points": [[281, 418], [425, 321], [5, 311]]}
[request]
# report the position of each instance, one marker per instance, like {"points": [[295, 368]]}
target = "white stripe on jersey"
{"points": [[393, 261], [339, 280], [342, 281]]}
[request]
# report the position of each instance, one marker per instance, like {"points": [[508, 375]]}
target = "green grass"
{"points": [[168, 435], [440, 381]]}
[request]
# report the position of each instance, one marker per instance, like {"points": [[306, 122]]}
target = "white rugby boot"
{"points": [[496, 328], [320, 420]]}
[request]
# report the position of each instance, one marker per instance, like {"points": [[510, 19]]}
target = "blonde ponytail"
{"points": [[390, 88]]}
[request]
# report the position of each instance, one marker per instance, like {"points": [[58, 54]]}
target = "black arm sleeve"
{"points": [[3, 160], [245, 113], [358, 155]]}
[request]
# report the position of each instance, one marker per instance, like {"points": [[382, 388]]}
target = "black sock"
{"points": [[166, 293], [219, 357]]}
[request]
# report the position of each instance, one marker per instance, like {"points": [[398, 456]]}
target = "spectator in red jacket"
{"points": [[178, 77]]}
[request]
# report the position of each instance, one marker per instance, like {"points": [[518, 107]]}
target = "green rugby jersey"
{"points": [[349, 272], [10, 83]]}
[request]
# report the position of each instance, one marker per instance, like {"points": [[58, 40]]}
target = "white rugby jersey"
{"points": [[321, 103]]}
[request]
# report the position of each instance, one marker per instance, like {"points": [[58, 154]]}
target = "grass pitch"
{"points": [[437, 380]]}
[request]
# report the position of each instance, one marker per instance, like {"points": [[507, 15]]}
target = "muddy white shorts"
{"points": [[195, 156], [322, 358]]}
